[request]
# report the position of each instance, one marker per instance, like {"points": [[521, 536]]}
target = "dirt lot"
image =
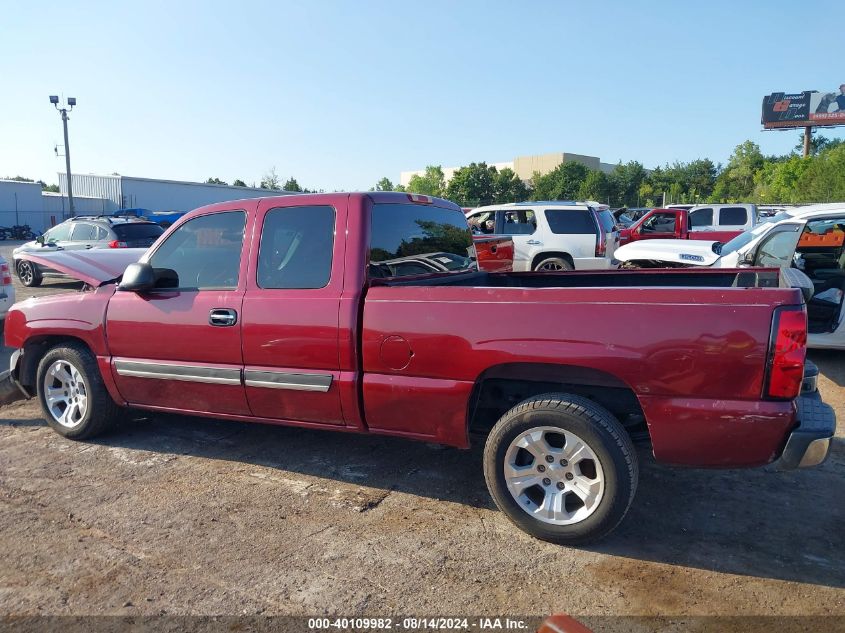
{"points": [[179, 515]]}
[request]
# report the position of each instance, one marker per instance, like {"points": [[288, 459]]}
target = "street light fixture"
{"points": [[71, 101]]}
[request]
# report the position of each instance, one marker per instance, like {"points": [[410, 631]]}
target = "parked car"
{"points": [[698, 224], [7, 289], [551, 235], [810, 239], [164, 218], [79, 233], [267, 310]]}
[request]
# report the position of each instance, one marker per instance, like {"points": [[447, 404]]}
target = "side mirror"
{"points": [[40, 240], [138, 277], [748, 258]]}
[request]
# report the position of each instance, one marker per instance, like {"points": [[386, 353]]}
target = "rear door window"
{"points": [[570, 222], [519, 222], [296, 247], [733, 216], [83, 232], [483, 222]]}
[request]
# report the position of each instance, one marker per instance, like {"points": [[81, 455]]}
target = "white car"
{"points": [[552, 235], [7, 289], [811, 239]]}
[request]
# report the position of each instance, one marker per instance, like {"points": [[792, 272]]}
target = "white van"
{"points": [[552, 235]]}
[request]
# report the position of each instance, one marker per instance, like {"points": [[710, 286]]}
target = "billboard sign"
{"points": [[801, 109]]}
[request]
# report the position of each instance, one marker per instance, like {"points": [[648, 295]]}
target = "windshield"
{"points": [[768, 219], [742, 239]]}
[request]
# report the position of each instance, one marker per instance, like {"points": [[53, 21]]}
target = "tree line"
{"points": [[748, 176]]}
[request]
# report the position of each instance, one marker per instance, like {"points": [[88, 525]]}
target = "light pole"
{"points": [[71, 101]]}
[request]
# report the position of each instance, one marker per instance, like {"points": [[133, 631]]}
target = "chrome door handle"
{"points": [[534, 243], [222, 317]]}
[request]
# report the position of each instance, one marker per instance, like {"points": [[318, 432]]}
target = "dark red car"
{"points": [[296, 310]]}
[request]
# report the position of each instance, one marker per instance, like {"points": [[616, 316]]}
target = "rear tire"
{"points": [[29, 274], [553, 264], [72, 394], [562, 468]]}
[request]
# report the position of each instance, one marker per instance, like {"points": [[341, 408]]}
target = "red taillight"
{"points": [[5, 274], [788, 349], [601, 244], [117, 244]]}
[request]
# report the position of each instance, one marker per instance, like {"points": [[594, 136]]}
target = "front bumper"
{"points": [[10, 389], [809, 443]]}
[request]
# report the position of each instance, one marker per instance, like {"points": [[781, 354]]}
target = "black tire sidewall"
{"points": [[75, 357], [617, 488], [36, 276]]}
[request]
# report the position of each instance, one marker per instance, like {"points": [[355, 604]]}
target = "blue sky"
{"points": [[339, 94]]}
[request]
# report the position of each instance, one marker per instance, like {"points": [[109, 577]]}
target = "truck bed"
{"points": [[678, 277]]}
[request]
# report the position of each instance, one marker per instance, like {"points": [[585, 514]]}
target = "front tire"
{"points": [[73, 397], [553, 265], [29, 274], [562, 468]]}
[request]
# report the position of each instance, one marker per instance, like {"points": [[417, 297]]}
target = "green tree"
{"points": [[625, 181], [508, 187], [473, 185], [238, 183], [52, 188], [292, 185], [780, 181], [562, 183], [431, 183], [384, 185], [824, 178], [215, 181], [270, 180], [595, 187], [736, 181]]}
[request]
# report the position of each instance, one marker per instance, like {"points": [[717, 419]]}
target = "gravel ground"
{"points": [[178, 515]]}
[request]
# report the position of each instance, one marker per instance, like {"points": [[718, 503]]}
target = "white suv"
{"points": [[552, 235]]}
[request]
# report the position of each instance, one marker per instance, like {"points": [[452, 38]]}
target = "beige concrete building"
{"points": [[525, 166]]}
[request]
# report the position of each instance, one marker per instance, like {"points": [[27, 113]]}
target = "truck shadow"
{"points": [[759, 522]]}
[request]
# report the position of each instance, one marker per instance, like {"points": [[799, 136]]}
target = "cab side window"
{"points": [[701, 217], [203, 253], [296, 247], [519, 222]]}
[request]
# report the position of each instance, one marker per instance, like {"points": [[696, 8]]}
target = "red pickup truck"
{"points": [[674, 224], [297, 310]]}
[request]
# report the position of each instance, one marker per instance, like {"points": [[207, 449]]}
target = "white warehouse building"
{"points": [[128, 192]]}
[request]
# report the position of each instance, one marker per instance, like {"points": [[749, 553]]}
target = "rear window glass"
{"points": [[415, 239], [733, 216], [563, 222], [133, 231], [608, 222]]}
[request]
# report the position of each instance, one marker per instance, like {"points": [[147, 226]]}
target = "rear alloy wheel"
{"points": [[554, 264], [73, 397], [562, 468], [29, 274]]}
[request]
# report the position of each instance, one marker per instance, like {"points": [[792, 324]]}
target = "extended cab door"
{"points": [[662, 225], [291, 310], [179, 346]]}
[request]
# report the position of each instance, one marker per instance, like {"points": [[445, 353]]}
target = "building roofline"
{"points": [[183, 182]]}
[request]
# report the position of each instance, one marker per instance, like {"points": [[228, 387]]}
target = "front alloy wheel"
{"points": [[28, 274], [65, 394]]}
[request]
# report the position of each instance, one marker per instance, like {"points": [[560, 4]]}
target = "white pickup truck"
{"points": [[809, 239]]}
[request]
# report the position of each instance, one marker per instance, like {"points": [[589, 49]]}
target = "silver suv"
{"points": [[79, 233]]}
